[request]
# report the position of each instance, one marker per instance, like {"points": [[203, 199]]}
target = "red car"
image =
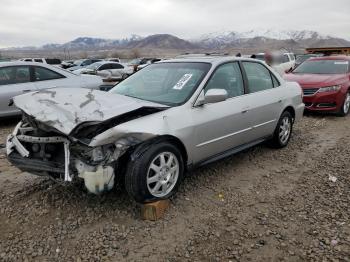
{"points": [[325, 82]]}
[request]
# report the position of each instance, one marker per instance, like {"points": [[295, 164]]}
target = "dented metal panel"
{"points": [[65, 109]]}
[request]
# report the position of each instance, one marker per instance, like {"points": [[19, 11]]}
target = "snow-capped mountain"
{"points": [[234, 38], [255, 39]]}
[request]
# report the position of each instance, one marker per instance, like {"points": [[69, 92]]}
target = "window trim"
{"points": [[35, 80], [222, 64], [270, 72], [30, 74]]}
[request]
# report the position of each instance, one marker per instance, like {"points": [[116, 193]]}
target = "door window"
{"points": [[41, 74], [228, 77], [259, 77], [38, 60], [105, 67], [117, 66], [14, 75]]}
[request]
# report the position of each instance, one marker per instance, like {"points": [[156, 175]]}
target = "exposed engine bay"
{"points": [[40, 149]]}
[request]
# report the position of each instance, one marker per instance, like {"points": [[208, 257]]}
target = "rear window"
{"points": [[53, 61], [323, 67]]}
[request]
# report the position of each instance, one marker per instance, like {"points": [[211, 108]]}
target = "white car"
{"points": [[21, 77], [49, 61], [281, 62], [107, 70]]}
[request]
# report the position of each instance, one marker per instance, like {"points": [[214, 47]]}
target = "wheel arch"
{"points": [[291, 110], [140, 148]]}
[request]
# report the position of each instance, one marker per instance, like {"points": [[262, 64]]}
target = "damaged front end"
{"points": [[39, 149]]}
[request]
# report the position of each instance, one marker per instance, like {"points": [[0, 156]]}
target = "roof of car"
{"points": [[19, 63], [208, 59], [333, 57]]}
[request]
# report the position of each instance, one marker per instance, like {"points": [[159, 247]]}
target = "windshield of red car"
{"points": [[164, 83], [323, 67]]}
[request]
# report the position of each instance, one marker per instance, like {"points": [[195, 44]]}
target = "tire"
{"points": [[345, 108], [124, 76], [148, 178], [285, 124]]}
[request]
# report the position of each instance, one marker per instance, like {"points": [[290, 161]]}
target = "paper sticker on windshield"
{"points": [[341, 62], [182, 82]]}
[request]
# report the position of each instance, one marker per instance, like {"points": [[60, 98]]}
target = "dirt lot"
{"points": [[260, 205]]}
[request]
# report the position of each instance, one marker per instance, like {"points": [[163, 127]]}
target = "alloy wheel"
{"points": [[162, 174], [346, 105], [285, 130]]}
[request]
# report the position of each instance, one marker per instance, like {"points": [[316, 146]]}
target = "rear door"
{"points": [[14, 80], [264, 99]]}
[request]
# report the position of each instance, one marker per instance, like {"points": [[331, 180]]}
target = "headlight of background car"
{"points": [[330, 89]]}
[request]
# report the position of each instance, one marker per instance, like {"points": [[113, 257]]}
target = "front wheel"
{"points": [[155, 174], [283, 131], [344, 110]]}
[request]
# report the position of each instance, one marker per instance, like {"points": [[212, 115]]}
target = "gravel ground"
{"points": [[260, 205]]}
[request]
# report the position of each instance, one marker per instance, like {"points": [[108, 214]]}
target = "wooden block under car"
{"points": [[155, 210]]}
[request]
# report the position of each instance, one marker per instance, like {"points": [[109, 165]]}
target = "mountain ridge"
{"points": [[259, 38]]}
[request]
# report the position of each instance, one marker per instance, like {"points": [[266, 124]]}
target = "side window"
{"points": [[259, 77], [105, 67], [14, 75], [41, 74], [38, 60], [117, 66], [228, 77]]}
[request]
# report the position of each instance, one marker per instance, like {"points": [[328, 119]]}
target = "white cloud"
{"points": [[35, 22]]}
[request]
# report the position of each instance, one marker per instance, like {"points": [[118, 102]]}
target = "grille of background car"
{"points": [[310, 91]]}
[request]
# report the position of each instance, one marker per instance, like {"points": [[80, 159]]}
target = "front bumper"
{"points": [[327, 101], [19, 155]]}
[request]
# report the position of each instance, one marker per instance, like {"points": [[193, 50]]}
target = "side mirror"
{"points": [[212, 96]]}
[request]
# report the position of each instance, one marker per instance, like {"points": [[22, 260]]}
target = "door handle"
{"points": [[279, 101], [26, 91]]}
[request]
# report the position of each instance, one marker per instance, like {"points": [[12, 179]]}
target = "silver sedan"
{"points": [[155, 125], [21, 77]]}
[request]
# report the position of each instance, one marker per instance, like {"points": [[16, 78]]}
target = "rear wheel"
{"points": [[155, 174], [283, 130], [344, 110]]}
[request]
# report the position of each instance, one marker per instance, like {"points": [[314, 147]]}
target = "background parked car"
{"points": [[21, 77], [67, 64], [325, 82], [301, 58], [78, 64], [113, 59], [107, 70], [281, 62], [135, 63], [148, 62], [49, 61]]}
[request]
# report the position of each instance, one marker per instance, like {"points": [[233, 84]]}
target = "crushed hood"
{"points": [[66, 108]]}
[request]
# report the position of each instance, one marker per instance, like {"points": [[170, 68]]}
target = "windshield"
{"points": [[303, 58], [165, 83], [94, 66], [323, 67]]}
